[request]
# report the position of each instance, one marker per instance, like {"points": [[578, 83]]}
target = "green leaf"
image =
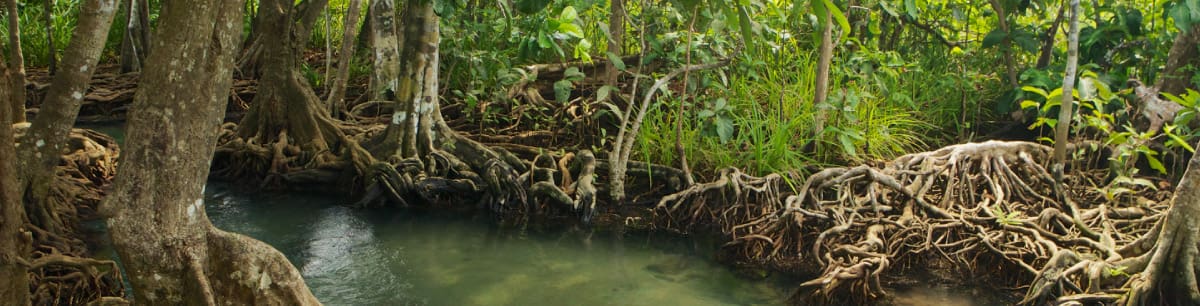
{"points": [[1155, 163], [1179, 141], [847, 144], [993, 38], [838, 17], [1035, 90], [706, 113], [603, 92], [562, 90], [910, 7], [724, 129], [616, 61], [570, 29], [573, 74], [568, 14], [1029, 104]]}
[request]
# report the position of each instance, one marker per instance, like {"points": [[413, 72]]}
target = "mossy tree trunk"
{"points": [[172, 253], [385, 48]]}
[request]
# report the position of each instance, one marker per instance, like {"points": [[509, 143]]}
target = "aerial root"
{"points": [[964, 204]]}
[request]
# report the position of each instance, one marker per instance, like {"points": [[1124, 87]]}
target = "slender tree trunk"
{"points": [[17, 63], [385, 48], [1006, 45], [52, 56], [1066, 111], [133, 45], [1183, 62], [824, 61], [1048, 40], [172, 253], [14, 246], [337, 92], [616, 38], [40, 148]]}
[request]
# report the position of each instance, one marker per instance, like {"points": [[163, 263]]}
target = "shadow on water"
{"points": [[397, 257]]}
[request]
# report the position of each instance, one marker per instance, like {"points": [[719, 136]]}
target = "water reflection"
{"points": [[354, 257]]}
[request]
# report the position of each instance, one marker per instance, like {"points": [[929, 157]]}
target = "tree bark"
{"points": [[172, 253], [1048, 41], [14, 246], [17, 64], [1170, 276], [1177, 75], [824, 61], [133, 45], [39, 150], [285, 103], [385, 47], [616, 38], [337, 92], [1065, 111]]}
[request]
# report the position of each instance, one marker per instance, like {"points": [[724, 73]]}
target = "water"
{"points": [[360, 257], [400, 257]]}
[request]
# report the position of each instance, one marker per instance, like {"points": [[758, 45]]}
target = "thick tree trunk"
{"points": [[285, 104], [172, 254], [1170, 276], [1065, 111], [386, 50], [14, 246], [416, 107], [337, 92], [40, 148], [17, 64], [133, 45], [1183, 62]]}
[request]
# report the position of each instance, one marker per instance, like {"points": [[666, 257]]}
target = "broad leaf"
{"points": [[993, 38]]}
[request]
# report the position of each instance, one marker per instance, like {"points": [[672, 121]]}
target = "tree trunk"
{"points": [[1006, 45], [51, 50], [1170, 276], [1048, 41], [337, 92], [14, 246], [616, 38], [385, 48], [17, 64], [824, 61], [1065, 111], [133, 45], [171, 252], [40, 148], [285, 105], [1183, 62]]}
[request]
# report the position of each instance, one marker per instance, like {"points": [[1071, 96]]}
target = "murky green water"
{"points": [[400, 257], [359, 257]]}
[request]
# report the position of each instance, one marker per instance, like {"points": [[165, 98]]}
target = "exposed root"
{"points": [[974, 205]]}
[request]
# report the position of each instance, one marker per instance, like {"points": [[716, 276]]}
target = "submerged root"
{"points": [[964, 204]]}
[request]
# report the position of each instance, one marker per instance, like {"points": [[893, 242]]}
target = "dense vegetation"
{"points": [[837, 139]]}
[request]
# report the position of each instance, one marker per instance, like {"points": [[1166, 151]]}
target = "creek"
{"points": [[407, 257]]}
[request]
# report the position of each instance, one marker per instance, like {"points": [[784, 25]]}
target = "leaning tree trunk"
{"points": [[385, 48], [171, 251], [40, 148], [337, 91], [17, 65], [14, 246], [1065, 112], [1183, 62], [1006, 45]]}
